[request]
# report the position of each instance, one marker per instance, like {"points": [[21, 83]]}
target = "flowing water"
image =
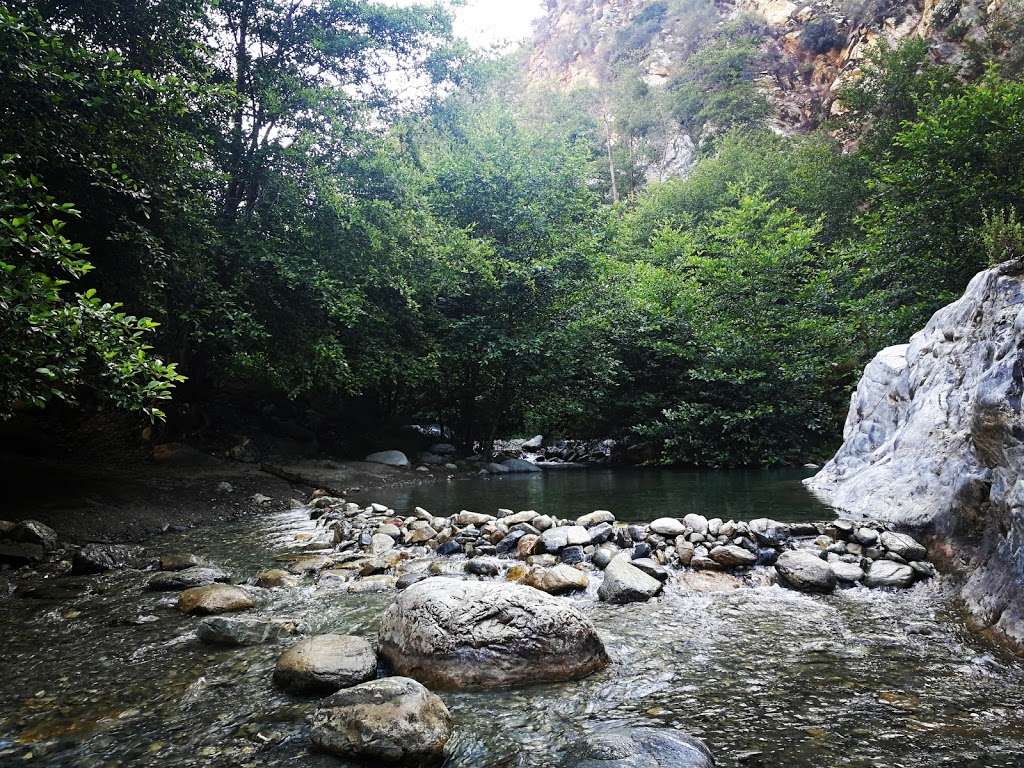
{"points": [[103, 673]]}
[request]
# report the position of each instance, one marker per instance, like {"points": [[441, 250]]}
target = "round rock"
{"points": [[393, 720], [467, 634], [325, 664], [213, 599], [803, 570]]}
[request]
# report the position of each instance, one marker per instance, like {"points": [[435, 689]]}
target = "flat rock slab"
{"points": [[468, 634], [185, 579], [393, 720], [325, 664]]}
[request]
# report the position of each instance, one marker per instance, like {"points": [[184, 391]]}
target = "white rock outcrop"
{"points": [[935, 440]]}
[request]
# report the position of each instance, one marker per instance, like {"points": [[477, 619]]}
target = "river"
{"points": [[103, 673]]}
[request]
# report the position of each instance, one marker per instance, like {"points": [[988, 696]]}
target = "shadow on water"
{"points": [[632, 494]]}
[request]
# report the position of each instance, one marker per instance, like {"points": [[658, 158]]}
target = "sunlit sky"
{"points": [[496, 22]]}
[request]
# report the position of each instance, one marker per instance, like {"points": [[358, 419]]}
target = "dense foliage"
{"points": [[313, 232]]}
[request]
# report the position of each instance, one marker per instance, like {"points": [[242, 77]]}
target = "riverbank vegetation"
{"points": [[235, 203]]}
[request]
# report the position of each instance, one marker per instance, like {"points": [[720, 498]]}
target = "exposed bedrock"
{"points": [[933, 441]]}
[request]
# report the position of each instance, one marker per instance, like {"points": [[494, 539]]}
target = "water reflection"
{"points": [[632, 494]]}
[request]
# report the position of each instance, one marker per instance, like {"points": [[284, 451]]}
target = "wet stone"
{"points": [[214, 599], [324, 664], [195, 576]]}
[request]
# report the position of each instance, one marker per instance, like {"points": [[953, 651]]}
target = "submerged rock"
{"points": [[213, 599], [468, 634], [640, 748], [803, 570], [179, 561], [395, 720], [243, 630], [625, 583], [325, 663]]}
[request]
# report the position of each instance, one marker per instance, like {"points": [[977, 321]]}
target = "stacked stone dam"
{"points": [[556, 555]]}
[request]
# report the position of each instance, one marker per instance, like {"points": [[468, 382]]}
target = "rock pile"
{"points": [[554, 555]]}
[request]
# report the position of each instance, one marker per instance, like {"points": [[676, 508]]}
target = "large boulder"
{"points": [[640, 748], [887, 573], [802, 569], [466, 634], [325, 664], [625, 583], [393, 720], [213, 599], [932, 441], [34, 532], [389, 458]]}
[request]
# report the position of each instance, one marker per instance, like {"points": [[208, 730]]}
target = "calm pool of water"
{"points": [[631, 494]]}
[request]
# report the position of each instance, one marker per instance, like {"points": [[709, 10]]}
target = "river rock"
{"points": [[482, 566], [557, 580], [274, 578], [866, 537], [34, 532], [213, 599], [595, 517], [803, 570], [469, 634], [520, 466], [667, 526], [563, 536], [243, 630], [603, 555], [394, 720], [651, 567], [848, 572], [624, 583], [888, 573], [903, 545], [389, 458], [526, 516], [696, 523], [190, 577], [640, 748], [731, 556], [324, 664], [99, 558], [179, 561]]}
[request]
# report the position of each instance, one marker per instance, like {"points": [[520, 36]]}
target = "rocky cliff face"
{"points": [[935, 440], [809, 50]]}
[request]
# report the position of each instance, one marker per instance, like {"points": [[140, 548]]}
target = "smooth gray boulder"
{"points": [[389, 458], [887, 573], [563, 536], [520, 466], [932, 441], [393, 720], [732, 556], [667, 526], [903, 545], [473, 634], [847, 572], [325, 663], [802, 569], [640, 748], [625, 583]]}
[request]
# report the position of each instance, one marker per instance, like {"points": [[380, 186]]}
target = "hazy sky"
{"points": [[490, 22]]}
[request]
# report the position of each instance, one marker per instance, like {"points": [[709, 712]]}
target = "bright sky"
{"points": [[496, 22]]}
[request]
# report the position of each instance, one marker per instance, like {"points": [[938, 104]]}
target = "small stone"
{"points": [[243, 630], [324, 664], [887, 573], [180, 561], [381, 543], [595, 517], [562, 578], [482, 566], [190, 577], [696, 523]]}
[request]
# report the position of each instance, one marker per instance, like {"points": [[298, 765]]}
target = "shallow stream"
{"points": [[96, 671]]}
